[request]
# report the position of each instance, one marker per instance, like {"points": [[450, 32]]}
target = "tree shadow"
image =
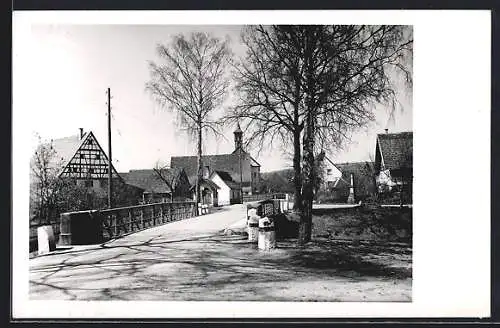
{"points": [[345, 261], [213, 268]]}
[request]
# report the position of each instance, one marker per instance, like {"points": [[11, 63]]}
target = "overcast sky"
{"points": [[72, 66]]}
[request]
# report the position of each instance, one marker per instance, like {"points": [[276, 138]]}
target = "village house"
{"points": [[239, 165], [394, 160], [229, 191], [80, 157], [337, 178], [159, 185], [80, 161]]}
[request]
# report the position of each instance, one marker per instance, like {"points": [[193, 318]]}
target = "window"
{"points": [[97, 156], [82, 156], [90, 141], [75, 169], [329, 171], [91, 170]]}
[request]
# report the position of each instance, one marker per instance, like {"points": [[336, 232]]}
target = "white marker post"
{"points": [[46, 239]]}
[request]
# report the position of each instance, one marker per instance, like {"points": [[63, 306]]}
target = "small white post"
{"points": [[350, 199], [46, 239]]}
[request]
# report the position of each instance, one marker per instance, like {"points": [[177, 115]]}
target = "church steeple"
{"points": [[238, 138]]}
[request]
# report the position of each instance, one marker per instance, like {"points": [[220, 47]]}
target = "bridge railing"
{"points": [[123, 220], [89, 227]]}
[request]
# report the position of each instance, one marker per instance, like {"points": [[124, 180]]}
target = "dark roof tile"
{"points": [[149, 180], [396, 149], [227, 162]]}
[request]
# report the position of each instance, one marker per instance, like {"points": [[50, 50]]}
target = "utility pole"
{"points": [[110, 172]]}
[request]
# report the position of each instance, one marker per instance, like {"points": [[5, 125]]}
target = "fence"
{"points": [[116, 222], [119, 221], [259, 197]]}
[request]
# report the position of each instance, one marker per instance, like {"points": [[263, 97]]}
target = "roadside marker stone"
{"points": [[46, 239], [267, 234]]}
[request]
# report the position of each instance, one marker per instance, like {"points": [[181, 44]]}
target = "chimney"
{"points": [[81, 133], [386, 130]]}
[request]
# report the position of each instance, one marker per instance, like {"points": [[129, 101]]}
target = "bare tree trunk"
{"points": [[297, 179], [198, 174], [305, 225]]}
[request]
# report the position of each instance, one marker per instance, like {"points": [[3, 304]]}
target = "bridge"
{"points": [[139, 265], [191, 260]]}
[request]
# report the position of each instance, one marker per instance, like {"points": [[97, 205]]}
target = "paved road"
{"points": [[191, 261], [120, 269]]}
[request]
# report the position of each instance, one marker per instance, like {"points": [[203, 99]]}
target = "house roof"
{"points": [[149, 180], [228, 180], [225, 162], [210, 183], [66, 148], [225, 176], [355, 168], [362, 175], [396, 150]]}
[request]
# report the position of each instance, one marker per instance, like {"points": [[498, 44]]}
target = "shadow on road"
{"points": [[210, 268]]}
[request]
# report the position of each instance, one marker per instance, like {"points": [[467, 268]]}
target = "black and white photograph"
{"points": [[220, 162]]}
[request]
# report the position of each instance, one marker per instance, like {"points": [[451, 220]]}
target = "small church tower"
{"points": [[238, 138]]}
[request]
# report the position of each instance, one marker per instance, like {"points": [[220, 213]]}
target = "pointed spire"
{"points": [[238, 138]]}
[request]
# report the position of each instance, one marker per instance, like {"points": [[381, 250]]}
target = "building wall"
{"points": [[224, 193], [245, 169], [384, 178], [331, 172]]}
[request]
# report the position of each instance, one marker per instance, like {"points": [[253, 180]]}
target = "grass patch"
{"points": [[365, 223], [362, 223]]}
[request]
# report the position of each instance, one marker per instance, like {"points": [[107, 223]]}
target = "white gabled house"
{"points": [[230, 191]]}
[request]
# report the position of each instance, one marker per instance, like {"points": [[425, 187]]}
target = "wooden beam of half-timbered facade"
{"points": [[88, 162]]}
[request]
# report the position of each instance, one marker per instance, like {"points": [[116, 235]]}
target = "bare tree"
{"points": [[170, 177], [190, 79], [270, 91], [318, 84], [43, 178], [49, 194]]}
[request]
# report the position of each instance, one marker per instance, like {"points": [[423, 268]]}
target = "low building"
{"points": [[159, 185], [230, 191]]}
